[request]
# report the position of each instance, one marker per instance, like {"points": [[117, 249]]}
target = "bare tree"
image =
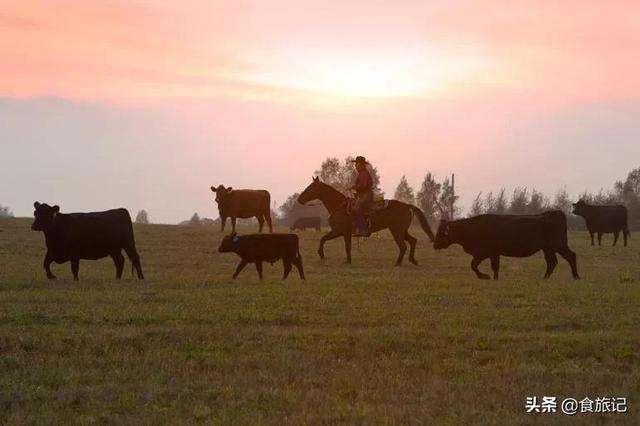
{"points": [[477, 207]]}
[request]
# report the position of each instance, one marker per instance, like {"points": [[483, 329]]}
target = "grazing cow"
{"points": [[75, 236], [303, 223], [258, 248], [491, 236], [243, 203], [604, 219]]}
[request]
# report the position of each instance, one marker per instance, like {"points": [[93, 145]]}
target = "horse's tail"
{"points": [[423, 221]]}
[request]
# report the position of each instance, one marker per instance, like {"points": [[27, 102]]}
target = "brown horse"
{"points": [[396, 217]]}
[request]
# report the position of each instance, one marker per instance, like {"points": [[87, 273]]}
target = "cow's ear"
{"points": [[316, 179], [56, 209], [213, 189], [229, 189], [36, 204]]}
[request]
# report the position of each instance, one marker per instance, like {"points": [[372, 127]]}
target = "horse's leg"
{"points": [[347, 245], [412, 247], [328, 236], [402, 246]]}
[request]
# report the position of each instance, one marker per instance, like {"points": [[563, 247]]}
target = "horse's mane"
{"points": [[327, 186]]}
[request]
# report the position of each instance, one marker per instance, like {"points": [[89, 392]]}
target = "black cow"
{"points": [[491, 236], [75, 236], [303, 223], [258, 248], [604, 219]]}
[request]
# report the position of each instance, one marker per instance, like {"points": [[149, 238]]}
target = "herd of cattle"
{"points": [[71, 237]]}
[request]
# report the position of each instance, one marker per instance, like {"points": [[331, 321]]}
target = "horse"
{"points": [[396, 217]]}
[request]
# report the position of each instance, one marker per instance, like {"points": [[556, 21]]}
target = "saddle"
{"points": [[375, 205]]}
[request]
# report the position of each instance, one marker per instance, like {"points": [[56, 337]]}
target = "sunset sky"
{"points": [[146, 104]]}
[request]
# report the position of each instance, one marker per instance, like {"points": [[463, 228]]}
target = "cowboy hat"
{"points": [[360, 159]]}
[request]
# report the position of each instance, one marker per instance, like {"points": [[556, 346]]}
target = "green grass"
{"points": [[366, 343]]}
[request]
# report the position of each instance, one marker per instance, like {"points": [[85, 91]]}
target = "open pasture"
{"points": [[361, 343]]}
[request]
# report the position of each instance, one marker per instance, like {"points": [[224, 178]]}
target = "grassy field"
{"points": [[366, 343]]}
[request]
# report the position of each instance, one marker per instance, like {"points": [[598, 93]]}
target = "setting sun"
{"points": [[413, 74]]}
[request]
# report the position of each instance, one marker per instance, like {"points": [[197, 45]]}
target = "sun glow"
{"points": [[375, 76]]}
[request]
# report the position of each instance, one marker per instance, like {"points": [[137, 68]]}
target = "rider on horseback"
{"points": [[364, 197]]}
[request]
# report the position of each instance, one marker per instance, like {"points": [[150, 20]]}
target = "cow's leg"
{"points": [[495, 266], [239, 268], [475, 262], [267, 217], [591, 234], [75, 267], [134, 257], [233, 224], [287, 267], [402, 246], [118, 260], [298, 263], [327, 237], [552, 261], [616, 234], [260, 223], [412, 247], [599, 238], [259, 268], [347, 245], [570, 257], [47, 266], [223, 221]]}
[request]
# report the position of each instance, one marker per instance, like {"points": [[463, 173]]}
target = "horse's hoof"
{"points": [[413, 261]]}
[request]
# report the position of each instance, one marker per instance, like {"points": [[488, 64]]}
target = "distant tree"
{"points": [[628, 193], [562, 201], [404, 192], [489, 203], [538, 202], [5, 212], [330, 172], [477, 206], [448, 200], [195, 219], [427, 195], [500, 204], [142, 217], [519, 201]]}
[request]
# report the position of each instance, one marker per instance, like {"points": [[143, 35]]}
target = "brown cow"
{"points": [[243, 203]]}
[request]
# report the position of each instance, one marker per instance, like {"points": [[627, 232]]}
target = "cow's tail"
{"points": [[423, 221]]}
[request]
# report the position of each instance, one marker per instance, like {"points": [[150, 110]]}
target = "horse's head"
{"points": [[311, 192]]}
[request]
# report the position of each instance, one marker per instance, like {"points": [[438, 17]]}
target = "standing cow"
{"points": [[302, 223], [604, 219], [75, 236], [243, 203], [490, 236]]}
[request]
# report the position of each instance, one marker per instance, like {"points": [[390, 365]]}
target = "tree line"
{"points": [[437, 199]]}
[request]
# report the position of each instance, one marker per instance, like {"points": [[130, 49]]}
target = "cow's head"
{"points": [[228, 243], [221, 192], [579, 208], [44, 215], [311, 192], [443, 237]]}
